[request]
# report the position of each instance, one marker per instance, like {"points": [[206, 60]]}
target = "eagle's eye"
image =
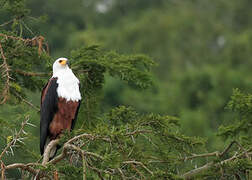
{"points": [[60, 61]]}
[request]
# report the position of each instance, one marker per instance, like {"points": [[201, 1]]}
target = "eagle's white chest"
{"points": [[68, 85]]}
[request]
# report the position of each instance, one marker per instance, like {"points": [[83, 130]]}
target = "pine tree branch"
{"points": [[99, 171], [207, 166], [67, 146], [7, 22], [12, 20], [89, 136], [5, 73], [197, 171], [139, 163], [27, 167], [5, 68], [31, 73], [229, 147], [16, 137], [216, 154], [27, 102], [35, 41], [138, 132], [73, 147]]}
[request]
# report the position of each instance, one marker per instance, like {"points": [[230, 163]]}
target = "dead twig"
{"points": [[139, 163], [138, 132], [2, 171], [31, 73], [6, 74], [216, 153], [38, 41], [27, 102], [229, 147], [196, 171], [84, 166], [121, 173]]}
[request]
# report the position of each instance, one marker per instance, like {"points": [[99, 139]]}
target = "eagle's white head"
{"points": [[60, 64], [68, 83]]}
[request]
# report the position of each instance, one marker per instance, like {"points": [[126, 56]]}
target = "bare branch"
{"points": [[134, 167], [59, 157], [122, 175], [196, 171], [216, 153], [137, 132], [6, 74], [15, 138], [73, 147], [35, 41], [84, 167], [139, 163], [12, 20], [31, 73], [27, 102], [89, 136], [229, 147], [2, 171], [6, 23], [99, 171], [48, 149], [27, 167]]}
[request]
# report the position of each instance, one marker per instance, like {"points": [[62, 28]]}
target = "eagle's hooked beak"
{"points": [[63, 62]]}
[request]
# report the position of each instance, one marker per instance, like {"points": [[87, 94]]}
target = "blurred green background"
{"points": [[202, 48]]}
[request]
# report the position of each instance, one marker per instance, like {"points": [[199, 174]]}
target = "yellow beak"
{"points": [[63, 62]]}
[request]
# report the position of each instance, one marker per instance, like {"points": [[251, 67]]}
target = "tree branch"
{"points": [[31, 73], [2, 171], [35, 41], [216, 153], [207, 166], [48, 149], [139, 163], [6, 74], [137, 132], [27, 167], [16, 137], [196, 171], [27, 102], [73, 147]]}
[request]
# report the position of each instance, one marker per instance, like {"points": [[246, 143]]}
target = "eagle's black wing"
{"points": [[49, 101]]}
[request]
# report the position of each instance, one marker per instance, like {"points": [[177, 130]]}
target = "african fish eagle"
{"points": [[60, 102]]}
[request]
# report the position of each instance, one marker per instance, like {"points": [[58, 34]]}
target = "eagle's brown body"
{"points": [[64, 117]]}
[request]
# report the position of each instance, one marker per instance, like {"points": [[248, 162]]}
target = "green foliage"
{"points": [[123, 135], [203, 52], [241, 104], [133, 69], [92, 64], [17, 9]]}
